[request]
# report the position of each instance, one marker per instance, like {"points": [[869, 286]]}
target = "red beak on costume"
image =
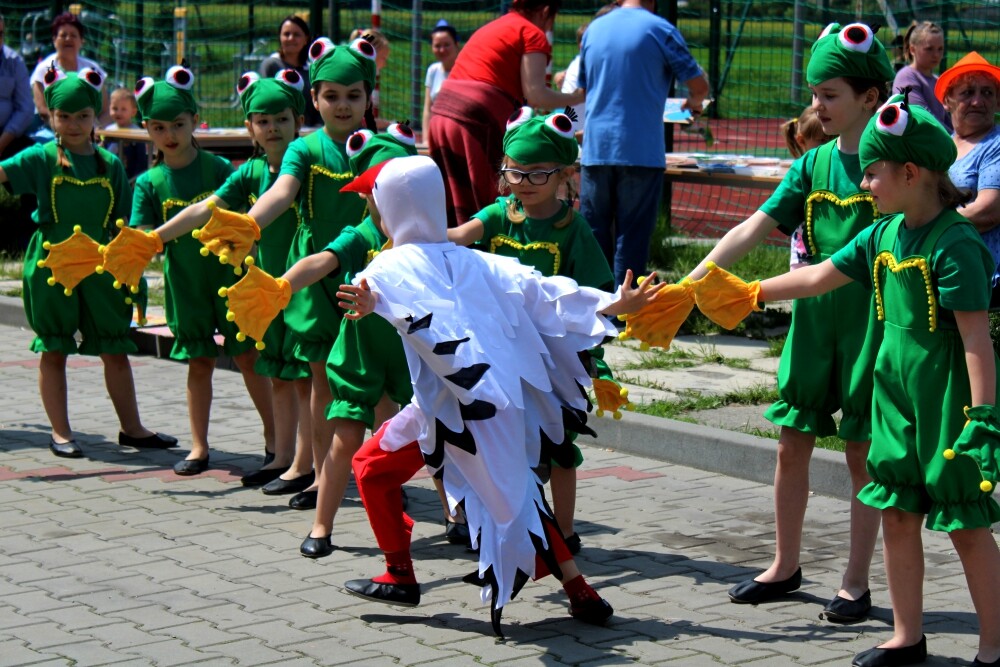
{"points": [[365, 183]]}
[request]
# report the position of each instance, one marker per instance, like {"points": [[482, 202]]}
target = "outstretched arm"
{"points": [[190, 218], [311, 269], [467, 233], [737, 242], [278, 198], [357, 300], [804, 282]]}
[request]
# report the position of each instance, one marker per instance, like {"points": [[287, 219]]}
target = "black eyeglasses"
{"points": [[515, 176]]}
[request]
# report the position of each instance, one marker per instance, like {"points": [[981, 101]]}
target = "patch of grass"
{"points": [[775, 345], [156, 265], [692, 401], [156, 297], [11, 266], [13, 291], [657, 359]]}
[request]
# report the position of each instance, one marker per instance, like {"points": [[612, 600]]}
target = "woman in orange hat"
{"points": [[969, 91]]}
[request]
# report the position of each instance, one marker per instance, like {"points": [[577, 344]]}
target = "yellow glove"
{"points": [[127, 255], [724, 298], [611, 397], [657, 323], [228, 235], [254, 302], [71, 260]]}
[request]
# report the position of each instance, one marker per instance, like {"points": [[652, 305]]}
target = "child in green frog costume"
{"points": [[78, 185], [538, 229], [930, 273], [184, 175], [827, 361]]}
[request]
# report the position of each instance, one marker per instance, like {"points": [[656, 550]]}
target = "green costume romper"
{"points": [[77, 196], [367, 359], [921, 376], [561, 245], [829, 354], [246, 184], [322, 168], [193, 307]]}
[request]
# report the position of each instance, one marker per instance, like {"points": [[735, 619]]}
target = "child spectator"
{"points": [[802, 134], [123, 112]]}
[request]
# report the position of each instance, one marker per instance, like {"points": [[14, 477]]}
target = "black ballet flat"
{"points": [[188, 467], [67, 450], [842, 610], [893, 657], [752, 591]]}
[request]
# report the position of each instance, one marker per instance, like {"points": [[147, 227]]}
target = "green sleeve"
{"points": [[788, 203], [146, 211], [494, 222], [855, 260], [584, 261], [27, 172], [237, 188], [351, 247], [297, 160], [963, 268]]}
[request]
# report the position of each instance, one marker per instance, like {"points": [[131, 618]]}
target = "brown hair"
{"points": [[951, 195], [806, 125], [916, 34], [68, 19], [298, 21], [861, 86], [532, 6]]}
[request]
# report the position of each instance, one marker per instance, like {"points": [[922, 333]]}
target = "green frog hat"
{"points": [[531, 138], [901, 132], [73, 91], [366, 149], [167, 99], [343, 64], [271, 96], [851, 50]]}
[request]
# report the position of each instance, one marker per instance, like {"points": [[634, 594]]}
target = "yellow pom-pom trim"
{"points": [[196, 233], [46, 245], [119, 223], [51, 281], [949, 454], [223, 292], [617, 415], [99, 269], [686, 281], [238, 271], [116, 285], [204, 251], [711, 266], [644, 347], [40, 263], [230, 316], [621, 318], [249, 261], [223, 258], [67, 291], [641, 278], [241, 336], [623, 393], [77, 229], [599, 413], [128, 301], [210, 205], [134, 289], [101, 248], [143, 321], [985, 486], [622, 335], [259, 345]]}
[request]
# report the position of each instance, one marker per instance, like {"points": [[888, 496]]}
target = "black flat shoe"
{"points": [[574, 544], [842, 610], [457, 533], [67, 450], [595, 612], [316, 547], [306, 500], [191, 466], [979, 663], [752, 591], [401, 595], [155, 441], [268, 458], [262, 476], [280, 487], [893, 657]]}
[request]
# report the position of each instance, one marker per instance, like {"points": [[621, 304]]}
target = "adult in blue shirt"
{"points": [[16, 111], [628, 60]]}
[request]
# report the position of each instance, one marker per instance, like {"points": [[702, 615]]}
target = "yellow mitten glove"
{"points": [[611, 397], [657, 323], [72, 260], [128, 254], [254, 302], [228, 235], [724, 298]]}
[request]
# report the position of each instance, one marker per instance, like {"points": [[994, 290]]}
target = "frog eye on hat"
{"points": [[561, 123], [320, 48], [291, 78], [357, 141], [857, 37], [830, 27], [180, 77], [892, 118], [92, 77], [52, 75], [402, 133], [519, 117], [143, 86], [247, 80], [364, 47]]}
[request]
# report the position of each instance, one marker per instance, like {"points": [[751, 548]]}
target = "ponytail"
{"points": [[950, 195], [789, 129], [61, 155], [102, 167]]}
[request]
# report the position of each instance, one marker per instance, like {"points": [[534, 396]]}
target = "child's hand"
{"points": [[657, 323], [632, 300], [724, 298], [358, 300], [980, 441], [228, 235], [254, 302], [72, 260], [128, 254]]}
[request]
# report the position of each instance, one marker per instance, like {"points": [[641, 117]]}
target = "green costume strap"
{"points": [[920, 368], [277, 359], [826, 364], [193, 308], [95, 307]]}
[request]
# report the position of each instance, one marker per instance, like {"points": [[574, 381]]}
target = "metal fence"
{"points": [[753, 52]]}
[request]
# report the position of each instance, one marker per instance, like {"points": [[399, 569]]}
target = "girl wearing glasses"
{"points": [[531, 224]]}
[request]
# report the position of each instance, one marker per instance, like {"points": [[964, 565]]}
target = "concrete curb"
{"points": [[702, 447]]}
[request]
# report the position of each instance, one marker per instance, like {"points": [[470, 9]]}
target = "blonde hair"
{"points": [[123, 93], [373, 36], [806, 126], [916, 34]]}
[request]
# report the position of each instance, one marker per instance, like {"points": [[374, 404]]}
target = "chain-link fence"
{"points": [[753, 52]]}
